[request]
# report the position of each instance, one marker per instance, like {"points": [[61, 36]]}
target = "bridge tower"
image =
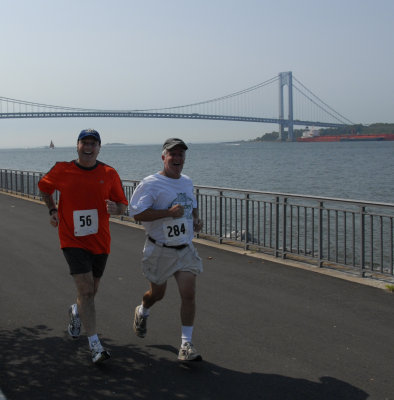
{"points": [[286, 78]]}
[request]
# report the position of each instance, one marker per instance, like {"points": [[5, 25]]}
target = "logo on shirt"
{"points": [[186, 202]]}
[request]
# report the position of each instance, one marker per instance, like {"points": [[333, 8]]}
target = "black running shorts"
{"points": [[82, 261]]}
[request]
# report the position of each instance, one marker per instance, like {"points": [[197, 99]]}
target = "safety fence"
{"points": [[350, 235]]}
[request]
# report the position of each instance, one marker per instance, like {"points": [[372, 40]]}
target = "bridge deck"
{"points": [[265, 330]]}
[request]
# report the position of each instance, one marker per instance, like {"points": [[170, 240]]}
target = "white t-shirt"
{"points": [[160, 192]]}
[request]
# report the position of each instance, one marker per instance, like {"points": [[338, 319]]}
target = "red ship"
{"points": [[347, 138]]}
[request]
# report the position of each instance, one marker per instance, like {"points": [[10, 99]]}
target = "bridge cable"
{"points": [[309, 91], [252, 88]]}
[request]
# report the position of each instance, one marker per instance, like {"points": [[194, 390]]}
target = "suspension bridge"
{"points": [[297, 106]]}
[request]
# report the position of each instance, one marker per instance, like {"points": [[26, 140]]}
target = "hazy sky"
{"points": [[126, 54]]}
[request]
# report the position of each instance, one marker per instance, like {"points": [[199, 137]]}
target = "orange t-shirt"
{"points": [[82, 212]]}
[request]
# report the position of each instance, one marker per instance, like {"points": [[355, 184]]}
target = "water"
{"points": [[359, 171]]}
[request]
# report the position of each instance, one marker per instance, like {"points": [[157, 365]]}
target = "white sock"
{"points": [[187, 332], [143, 311], [93, 340]]}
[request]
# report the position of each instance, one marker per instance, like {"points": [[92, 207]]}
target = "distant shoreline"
{"points": [[110, 145]]}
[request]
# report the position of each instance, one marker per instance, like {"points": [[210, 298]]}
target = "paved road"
{"points": [[265, 330]]}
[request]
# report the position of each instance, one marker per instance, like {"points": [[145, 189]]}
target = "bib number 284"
{"points": [[175, 231]]}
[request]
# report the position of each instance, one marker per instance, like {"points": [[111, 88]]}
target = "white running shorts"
{"points": [[160, 263]]}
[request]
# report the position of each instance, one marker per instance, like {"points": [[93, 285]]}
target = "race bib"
{"points": [[175, 231], [85, 222]]}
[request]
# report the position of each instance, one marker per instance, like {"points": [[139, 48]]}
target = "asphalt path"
{"points": [[264, 329]]}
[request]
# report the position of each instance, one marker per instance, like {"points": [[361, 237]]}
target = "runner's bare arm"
{"points": [[53, 217], [114, 208], [197, 223], [48, 199], [150, 214]]}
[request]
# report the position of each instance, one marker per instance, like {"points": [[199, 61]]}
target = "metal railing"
{"points": [[351, 235]]}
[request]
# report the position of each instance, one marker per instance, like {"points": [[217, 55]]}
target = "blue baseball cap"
{"points": [[89, 132]]}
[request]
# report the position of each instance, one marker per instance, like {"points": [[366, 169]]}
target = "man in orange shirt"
{"points": [[89, 192]]}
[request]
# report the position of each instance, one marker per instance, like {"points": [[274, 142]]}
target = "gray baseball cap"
{"points": [[172, 142]]}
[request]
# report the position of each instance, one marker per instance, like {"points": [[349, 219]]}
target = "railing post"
{"points": [[391, 246], [284, 225], [220, 217], [320, 237], [276, 250], [246, 221], [28, 185], [23, 183], [362, 241], [197, 198]]}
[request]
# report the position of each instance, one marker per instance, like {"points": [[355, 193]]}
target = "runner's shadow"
{"points": [[37, 366]]}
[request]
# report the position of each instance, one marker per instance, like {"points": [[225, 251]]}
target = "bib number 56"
{"points": [[85, 222]]}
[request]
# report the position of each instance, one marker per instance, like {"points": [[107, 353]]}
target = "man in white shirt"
{"points": [[167, 208]]}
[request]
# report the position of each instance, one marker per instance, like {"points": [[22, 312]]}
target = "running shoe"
{"points": [[99, 354], [187, 352], [74, 327], [139, 324]]}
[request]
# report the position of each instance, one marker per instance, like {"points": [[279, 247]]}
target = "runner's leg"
{"points": [[86, 289], [187, 289]]}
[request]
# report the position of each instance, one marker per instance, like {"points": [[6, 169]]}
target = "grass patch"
{"points": [[390, 288]]}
